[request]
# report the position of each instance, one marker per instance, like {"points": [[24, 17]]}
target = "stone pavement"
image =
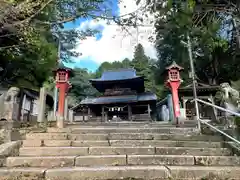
{"points": [[122, 151]]}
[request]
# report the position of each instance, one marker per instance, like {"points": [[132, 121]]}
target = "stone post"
{"points": [[214, 109], [23, 107], [71, 116], [66, 109], [88, 114], [149, 110], [103, 115], [129, 113], [10, 131], [42, 106], [11, 106]]}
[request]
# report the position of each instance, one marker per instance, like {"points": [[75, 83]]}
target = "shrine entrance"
{"points": [[116, 112]]}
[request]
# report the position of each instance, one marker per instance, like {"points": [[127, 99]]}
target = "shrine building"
{"points": [[123, 97]]}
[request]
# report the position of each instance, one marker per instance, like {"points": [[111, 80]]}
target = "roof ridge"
{"points": [[118, 69]]}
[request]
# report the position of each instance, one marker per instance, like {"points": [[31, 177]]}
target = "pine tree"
{"points": [[141, 63], [140, 60]]}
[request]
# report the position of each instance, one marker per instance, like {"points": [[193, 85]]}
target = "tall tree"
{"points": [[145, 67], [141, 64], [30, 31], [140, 60], [206, 27], [209, 24], [126, 63], [81, 87]]}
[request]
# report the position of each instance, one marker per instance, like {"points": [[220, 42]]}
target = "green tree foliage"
{"points": [[140, 61], [30, 31], [126, 63], [205, 38], [81, 87], [212, 31], [49, 84], [143, 66]]}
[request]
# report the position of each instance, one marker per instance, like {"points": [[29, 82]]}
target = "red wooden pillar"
{"points": [[174, 88], [61, 98], [173, 82]]}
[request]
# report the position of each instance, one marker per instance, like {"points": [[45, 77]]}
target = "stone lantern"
{"points": [[173, 82], [62, 75]]}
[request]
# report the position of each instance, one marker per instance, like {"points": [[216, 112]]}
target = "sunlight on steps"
{"points": [[122, 151]]}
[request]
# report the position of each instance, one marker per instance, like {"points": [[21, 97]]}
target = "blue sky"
{"points": [[111, 43], [88, 62]]}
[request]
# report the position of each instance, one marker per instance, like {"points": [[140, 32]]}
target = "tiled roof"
{"points": [[120, 74], [147, 96]]}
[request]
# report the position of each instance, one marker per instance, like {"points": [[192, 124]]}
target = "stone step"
{"points": [[120, 160], [132, 126], [142, 125], [22, 173], [204, 172], [66, 143], [53, 151], [145, 136], [52, 136], [193, 151], [136, 130], [143, 173], [123, 172], [183, 160], [128, 123], [98, 130], [77, 151], [46, 162], [120, 136], [63, 143], [187, 137], [134, 160], [166, 143]]}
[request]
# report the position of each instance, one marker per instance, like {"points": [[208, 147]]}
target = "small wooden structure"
{"points": [[27, 101], [123, 98], [205, 92]]}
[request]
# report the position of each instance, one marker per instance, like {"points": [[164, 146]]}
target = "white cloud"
{"points": [[115, 44]]}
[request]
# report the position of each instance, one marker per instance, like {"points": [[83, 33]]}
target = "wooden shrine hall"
{"points": [[123, 98]]}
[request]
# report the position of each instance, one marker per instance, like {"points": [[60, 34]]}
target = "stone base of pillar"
{"points": [[179, 122], [60, 122], [11, 111], [10, 131]]}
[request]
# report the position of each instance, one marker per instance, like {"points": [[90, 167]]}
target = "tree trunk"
{"points": [[236, 29]]}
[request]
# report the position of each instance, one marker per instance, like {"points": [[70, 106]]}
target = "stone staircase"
{"points": [[122, 151]]}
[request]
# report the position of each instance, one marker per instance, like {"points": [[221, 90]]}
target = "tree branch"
{"points": [[29, 18], [69, 19]]}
